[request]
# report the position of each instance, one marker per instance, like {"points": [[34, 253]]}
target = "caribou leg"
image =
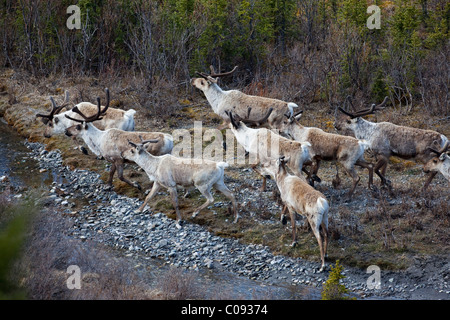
{"points": [[382, 163], [430, 176]]}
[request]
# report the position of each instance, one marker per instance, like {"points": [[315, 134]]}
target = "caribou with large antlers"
{"points": [[110, 143], [440, 163], [47, 118], [56, 121], [387, 139], [223, 101]]}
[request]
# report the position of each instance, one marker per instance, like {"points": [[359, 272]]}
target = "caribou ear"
{"points": [[280, 161], [212, 80], [442, 156]]}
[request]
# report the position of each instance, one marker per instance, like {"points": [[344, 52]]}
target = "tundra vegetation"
{"points": [[313, 53]]}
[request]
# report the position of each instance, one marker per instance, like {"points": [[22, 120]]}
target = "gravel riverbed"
{"points": [[111, 218]]}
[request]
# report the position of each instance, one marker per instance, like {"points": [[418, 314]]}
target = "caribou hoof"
{"points": [[283, 219], [136, 185], [143, 209], [387, 183], [179, 224], [294, 244], [336, 183], [83, 149]]}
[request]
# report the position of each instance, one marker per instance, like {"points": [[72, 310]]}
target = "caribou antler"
{"points": [[86, 119], [364, 112], [441, 150], [292, 117], [107, 101], [373, 108], [132, 143], [95, 117], [55, 109], [142, 142], [233, 122], [213, 74], [255, 122], [147, 141], [223, 74]]}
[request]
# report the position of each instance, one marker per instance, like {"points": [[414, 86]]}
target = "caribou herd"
{"points": [[259, 125]]}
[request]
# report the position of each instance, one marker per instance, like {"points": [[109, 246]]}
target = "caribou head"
{"points": [[205, 80], [441, 156]]}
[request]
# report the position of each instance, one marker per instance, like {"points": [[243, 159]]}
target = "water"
{"points": [[24, 174], [15, 161]]}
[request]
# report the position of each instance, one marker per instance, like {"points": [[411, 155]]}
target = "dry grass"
{"points": [[178, 284], [105, 274], [49, 253]]}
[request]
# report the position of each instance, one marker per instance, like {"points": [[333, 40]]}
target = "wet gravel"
{"points": [[110, 218]]}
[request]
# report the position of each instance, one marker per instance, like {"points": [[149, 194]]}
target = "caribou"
{"points": [[56, 121], [387, 139], [169, 171], [439, 163], [266, 145], [237, 102], [299, 197], [110, 143], [346, 150]]}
